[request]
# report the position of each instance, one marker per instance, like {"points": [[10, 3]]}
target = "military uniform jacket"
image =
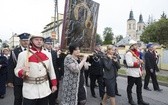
{"points": [[150, 61], [54, 60], [96, 66], [12, 64], [133, 68], [35, 91]]}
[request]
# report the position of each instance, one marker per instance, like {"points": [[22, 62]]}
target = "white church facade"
{"points": [[135, 29]]}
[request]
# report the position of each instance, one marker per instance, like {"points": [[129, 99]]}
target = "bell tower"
{"points": [[131, 26], [140, 27]]}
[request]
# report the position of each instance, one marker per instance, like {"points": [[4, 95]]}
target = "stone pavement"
{"points": [[153, 97], [160, 73]]}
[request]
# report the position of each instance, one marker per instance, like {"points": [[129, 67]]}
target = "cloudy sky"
{"points": [[18, 16]]}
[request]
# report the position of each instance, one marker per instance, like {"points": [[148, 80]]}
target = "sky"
{"points": [[31, 16]]}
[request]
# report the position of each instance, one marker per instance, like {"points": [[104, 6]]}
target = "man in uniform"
{"points": [[35, 67], [48, 47], [151, 68], [134, 72], [14, 81], [96, 72]]}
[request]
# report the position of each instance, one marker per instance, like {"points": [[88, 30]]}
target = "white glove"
{"points": [[86, 65]]}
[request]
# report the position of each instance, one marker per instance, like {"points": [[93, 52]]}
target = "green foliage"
{"points": [[0, 40], [157, 32], [163, 16], [108, 35], [98, 39], [118, 38]]}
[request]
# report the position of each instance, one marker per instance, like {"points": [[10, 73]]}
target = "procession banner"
{"points": [[80, 24]]}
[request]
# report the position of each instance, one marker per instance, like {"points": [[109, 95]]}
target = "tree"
{"points": [[1, 40], [157, 32], [108, 35], [98, 39], [163, 16], [118, 38]]}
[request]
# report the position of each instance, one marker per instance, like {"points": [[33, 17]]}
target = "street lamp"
{"points": [[56, 32]]}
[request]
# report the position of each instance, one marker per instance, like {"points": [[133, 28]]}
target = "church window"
{"points": [[139, 28], [134, 26], [129, 26]]}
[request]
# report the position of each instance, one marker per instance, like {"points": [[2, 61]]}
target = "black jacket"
{"points": [[54, 60], [12, 64], [110, 68], [150, 61], [96, 65]]}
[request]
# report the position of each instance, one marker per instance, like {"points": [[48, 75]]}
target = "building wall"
{"points": [[140, 29], [13, 41], [131, 29], [50, 31]]}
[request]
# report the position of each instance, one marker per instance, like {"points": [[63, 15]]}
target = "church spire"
{"points": [[140, 19], [131, 16]]}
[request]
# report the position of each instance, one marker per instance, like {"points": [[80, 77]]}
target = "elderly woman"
{"points": [[73, 91], [110, 65]]}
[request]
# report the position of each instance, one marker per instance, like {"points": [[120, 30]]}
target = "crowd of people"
{"points": [[34, 71]]}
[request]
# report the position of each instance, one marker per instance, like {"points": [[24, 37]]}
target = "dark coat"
{"points": [[60, 63], [150, 61], [12, 64], [96, 65], [110, 68], [54, 60], [4, 63]]}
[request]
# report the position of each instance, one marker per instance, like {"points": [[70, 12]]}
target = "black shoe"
{"points": [[118, 94], [131, 102], [147, 89], [2, 96], [159, 90], [94, 96], [143, 103]]}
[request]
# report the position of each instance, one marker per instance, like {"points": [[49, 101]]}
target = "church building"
{"points": [[135, 29]]}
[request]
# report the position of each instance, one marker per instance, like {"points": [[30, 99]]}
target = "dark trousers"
{"points": [[154, 79], [18, 95], [86, 77], [3, 78], [116, 87], [138, 82], [53, 96], [41, 101], [101, 84]]}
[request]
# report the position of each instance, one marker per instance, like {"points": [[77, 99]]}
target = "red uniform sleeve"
{"points": [[54, 82], [136, 64], [20, 73]]}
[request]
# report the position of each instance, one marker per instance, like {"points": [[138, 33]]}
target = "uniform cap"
{"points": [[48, 40], [149, 45], [24, 36]]}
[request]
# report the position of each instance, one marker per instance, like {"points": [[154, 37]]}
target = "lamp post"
{"points": [[56, 32]]}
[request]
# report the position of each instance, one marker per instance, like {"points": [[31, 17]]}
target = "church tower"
{"points": [[131, 26], [140, 27]]}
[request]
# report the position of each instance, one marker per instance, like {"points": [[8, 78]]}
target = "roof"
{"points": [[124, 41]]}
